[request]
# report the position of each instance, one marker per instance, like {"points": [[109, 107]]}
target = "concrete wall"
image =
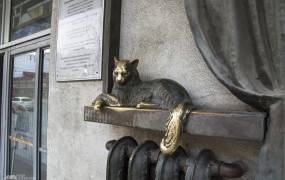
{"points": [[157, 32]]}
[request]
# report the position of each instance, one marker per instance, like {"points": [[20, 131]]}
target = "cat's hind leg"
{"points": [[174, 128]]}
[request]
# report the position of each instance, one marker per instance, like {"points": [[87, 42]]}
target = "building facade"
{"points": [[43, 132]]}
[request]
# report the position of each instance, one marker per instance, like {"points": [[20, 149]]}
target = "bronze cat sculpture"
{"points": [[130, 91]]}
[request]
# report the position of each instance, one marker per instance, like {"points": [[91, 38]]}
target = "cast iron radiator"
{"points": [[129, 161]]}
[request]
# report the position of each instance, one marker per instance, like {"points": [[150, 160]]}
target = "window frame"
{"points": [[37, 42], [37, 45], [5, 28]]}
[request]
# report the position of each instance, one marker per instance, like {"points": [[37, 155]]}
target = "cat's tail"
{"points": [[174, 127]]}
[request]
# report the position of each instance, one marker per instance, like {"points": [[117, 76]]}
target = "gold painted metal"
{"points": [[144, 105], [120, 70], [99, 103], [174, 128], [209, 113], [124, 109]]}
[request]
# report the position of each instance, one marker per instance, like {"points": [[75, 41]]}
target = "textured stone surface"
{"points": [[158, 33]]}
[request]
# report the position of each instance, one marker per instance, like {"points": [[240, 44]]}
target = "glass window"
{"points": [[22, 115], [29, 16], [22, 118], [16, 99]]}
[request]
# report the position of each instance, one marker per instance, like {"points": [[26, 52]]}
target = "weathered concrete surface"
{"points": [[157, 32]]}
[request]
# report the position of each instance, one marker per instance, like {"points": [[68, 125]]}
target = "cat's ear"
{"points": [[116, 60], [135, 63]]}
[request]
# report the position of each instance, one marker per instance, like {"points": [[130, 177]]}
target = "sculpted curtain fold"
{"points": [[243, 43]]}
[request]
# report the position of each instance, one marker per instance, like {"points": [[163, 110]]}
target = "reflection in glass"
{"points": [[43, 158], [21, 159], [29, 16], [22, 115]]}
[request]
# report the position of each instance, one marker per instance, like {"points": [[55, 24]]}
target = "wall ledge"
{"points": [[236, 125]]}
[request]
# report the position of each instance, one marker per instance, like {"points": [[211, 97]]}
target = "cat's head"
{"points": [[125, 71]]}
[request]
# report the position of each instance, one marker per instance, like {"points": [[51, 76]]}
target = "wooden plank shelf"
{"points": [[237, 125]]}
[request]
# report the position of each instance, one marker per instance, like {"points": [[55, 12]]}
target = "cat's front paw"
{"points": [[98, 104]]}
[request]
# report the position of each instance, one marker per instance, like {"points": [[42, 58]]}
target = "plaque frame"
{"points": [[110, 42]]}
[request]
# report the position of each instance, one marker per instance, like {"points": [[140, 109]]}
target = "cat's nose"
{"points": [[119, 78]]}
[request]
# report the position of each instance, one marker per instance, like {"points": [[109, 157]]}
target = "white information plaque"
{"points": [[79, 40]]}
